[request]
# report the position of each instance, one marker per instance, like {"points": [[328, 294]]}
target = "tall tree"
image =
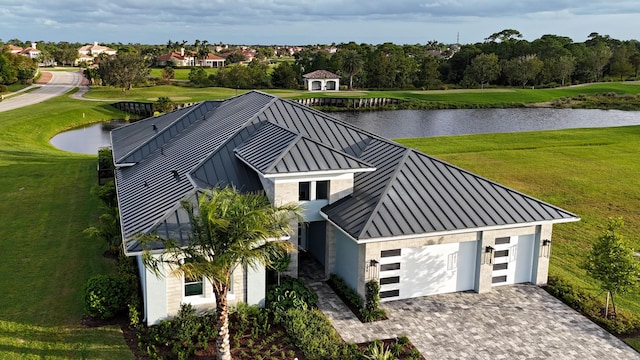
{"points": [[124, 70], [523, 69], [484, 68], [231, 230], [351, 64], [560, 68], [285, 76], [428, 74], [611, 262]]}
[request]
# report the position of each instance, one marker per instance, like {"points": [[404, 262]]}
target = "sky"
{"points": [[304, 22]]}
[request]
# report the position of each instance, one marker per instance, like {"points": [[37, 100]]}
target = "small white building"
{"points": [[321, 80]]}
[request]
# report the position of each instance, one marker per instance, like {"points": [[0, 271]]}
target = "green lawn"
{"points": [[591, 172], [456, 97], [180, 74], [45, 201], [45, 205]]}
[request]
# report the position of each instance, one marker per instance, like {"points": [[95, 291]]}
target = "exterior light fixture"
{"points": [[488, 254], [372, 268], [546, 248]]}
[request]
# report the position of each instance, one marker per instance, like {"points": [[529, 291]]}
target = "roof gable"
{"points": [[275, 150]]}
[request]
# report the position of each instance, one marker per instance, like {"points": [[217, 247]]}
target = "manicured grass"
{"points": [[503, 97], [45, 204], [180, 74], [591, 172]]}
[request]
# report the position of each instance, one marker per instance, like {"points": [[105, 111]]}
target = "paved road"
{"points": [[61, 82]]}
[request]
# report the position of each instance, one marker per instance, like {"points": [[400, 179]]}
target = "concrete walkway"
{"points": [[511, 322]]}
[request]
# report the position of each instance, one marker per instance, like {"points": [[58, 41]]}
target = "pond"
{"points": [[87, 139], [424, 123], [413, 123]]}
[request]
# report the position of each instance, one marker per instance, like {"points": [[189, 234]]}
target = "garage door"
{"points": [[512, 260], [428, 270]]}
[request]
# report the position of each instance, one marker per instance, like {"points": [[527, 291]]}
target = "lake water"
{"points": [[414, 123], [423, 123]]}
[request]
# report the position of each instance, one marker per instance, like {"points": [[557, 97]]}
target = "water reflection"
{"points": [[87, 139], [413, 123], [422, 123]]}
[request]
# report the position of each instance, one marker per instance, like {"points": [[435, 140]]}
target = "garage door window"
{"points": [[501, 253], [390, 253], [388, 267], [390, 280], [390, 293]]}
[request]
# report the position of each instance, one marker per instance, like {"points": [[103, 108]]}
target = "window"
{"points": [[390, 280], [501, 253], [390, 293], [388, 267], [389, 253], [304, 190], [498, 279], [322, 190], [502, 266], [503, 240], [193, 286]]}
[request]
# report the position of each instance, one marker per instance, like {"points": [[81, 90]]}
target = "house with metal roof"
{"points": [[374, 209]]}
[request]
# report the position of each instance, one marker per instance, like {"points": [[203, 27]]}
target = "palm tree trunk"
{"points": [[222, 324], [350, 82]]}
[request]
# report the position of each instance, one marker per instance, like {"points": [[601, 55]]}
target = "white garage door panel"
{"points": [[437, 269]]}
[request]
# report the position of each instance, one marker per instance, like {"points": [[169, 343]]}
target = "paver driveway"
{"points": [[511, 322]]}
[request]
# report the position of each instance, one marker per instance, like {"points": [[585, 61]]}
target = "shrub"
{"points": [[105, 296], [589, 305], [291, 293], [314, 335], [346, 291], [371, 310]]}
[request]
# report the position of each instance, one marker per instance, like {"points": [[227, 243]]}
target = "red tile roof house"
{"points": [[179, 59], [30, 52], [88, 53], [374, 209], [321, 80], [212, 60]]}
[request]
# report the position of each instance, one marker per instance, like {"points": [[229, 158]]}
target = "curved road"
{"points": [[61, 82]]}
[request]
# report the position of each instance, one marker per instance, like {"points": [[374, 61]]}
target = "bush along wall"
{"points": [[366, 310]]}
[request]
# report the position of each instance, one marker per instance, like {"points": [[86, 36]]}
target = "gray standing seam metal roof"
{"points": [[409, 193], [275, 150]]}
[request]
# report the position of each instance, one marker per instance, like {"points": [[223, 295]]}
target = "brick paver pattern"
{"points": [[510, 322]]}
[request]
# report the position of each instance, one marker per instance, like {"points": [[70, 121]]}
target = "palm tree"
{"points": [[232, 229], [203, 51], [351, 64]]}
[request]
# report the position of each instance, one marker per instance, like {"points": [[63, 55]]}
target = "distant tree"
{"points": [[351, 64], [484, 68], [560, 68], [504, 35], [620, 64], [428, 74], [8, 73], [523, 69], [124, 71], [634, 59], [259, 77], [93, 75], [612, 264], [284, 76], [168, 73], [236, 57], [164, 104], [264, 53], [66, 56], [460, 61], [198, 76]]}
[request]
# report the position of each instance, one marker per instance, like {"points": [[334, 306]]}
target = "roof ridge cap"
{"points": [[354, 158], [407, 153]]}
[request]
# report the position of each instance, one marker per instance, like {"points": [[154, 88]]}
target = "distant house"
{"points": [[88, 53], [174, 58], [374, 209], [321, 80], [31, 52], [212, 60]]}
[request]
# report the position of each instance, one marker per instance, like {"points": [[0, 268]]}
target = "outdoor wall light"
{"points": [[546, 248], [488, 254], [372, 269]]}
